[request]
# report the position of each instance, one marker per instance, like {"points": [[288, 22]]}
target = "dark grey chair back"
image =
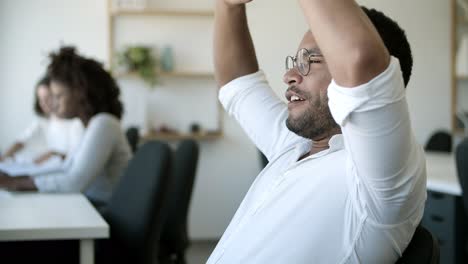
{"points": [[133, 137], [263, 159], [461, 156], [138, 206], [439, 141], [423, 249], [174, 239]]}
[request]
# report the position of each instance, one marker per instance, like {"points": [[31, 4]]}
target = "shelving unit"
{"points": [[457, 82], [154, 12], [174, 74], [185, 74], [174, 136]]}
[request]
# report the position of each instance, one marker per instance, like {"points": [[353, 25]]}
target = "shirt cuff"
{"points": [[228, 92], [388, 87]]}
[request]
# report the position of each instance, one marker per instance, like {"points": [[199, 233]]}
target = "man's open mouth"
{"points": [[295, 98]]}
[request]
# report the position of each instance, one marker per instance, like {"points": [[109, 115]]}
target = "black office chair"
{"points": [[133, 137], [263, 159], [461, 156], [439, 141], [174, 239], [423, 249], [138, 208]]}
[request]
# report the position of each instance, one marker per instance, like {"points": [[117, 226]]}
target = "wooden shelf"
{"points": [[458, 131], [155, 12], [175, 74], [115, 15], [173, 136], [187, 74], [462, 78]]}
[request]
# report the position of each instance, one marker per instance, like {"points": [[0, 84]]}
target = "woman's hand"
{"points": [[6, 181], [17, 183]]}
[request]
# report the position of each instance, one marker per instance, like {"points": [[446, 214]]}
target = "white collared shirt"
{"points": [[357, 202]]}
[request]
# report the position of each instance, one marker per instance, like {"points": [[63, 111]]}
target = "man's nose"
{"points": [[292, 77]]}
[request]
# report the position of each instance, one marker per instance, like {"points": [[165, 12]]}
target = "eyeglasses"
{"points": [[302, 61]]}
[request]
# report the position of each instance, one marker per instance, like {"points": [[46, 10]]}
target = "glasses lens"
{"points": [[303, 61], [289, 63]]}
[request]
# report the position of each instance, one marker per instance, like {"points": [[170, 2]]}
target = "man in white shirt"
{"points": [[346, 179]]}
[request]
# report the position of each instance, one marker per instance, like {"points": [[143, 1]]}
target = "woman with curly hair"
{"points": [[82, 88]]}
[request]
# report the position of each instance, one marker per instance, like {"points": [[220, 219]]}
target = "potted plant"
{"points": [[139, 59]]}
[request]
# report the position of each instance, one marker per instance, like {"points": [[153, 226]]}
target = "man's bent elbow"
{"points": [[364, 66]]}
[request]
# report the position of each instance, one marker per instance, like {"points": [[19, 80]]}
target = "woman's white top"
{"points": [[52, 134], [95, 166]]}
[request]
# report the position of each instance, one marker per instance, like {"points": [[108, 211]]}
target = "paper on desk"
{"points": [[5, 194], [13, 168]]}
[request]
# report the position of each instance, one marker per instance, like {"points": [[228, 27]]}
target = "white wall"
{"points": [[29, 29], [428, 26]]}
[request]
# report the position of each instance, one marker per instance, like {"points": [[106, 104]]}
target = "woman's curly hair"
{"points": [[44, 81], [87, 76]]}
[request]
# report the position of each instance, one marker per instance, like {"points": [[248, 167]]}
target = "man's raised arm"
{"points": [[352, 47], [234, 53]]}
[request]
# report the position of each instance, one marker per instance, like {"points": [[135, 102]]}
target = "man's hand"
{"points": [[237, 2]]}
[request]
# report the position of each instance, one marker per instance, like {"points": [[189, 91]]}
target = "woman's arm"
{"points": [[12, 150], [32, 132], [89, 159], [49, 154]]}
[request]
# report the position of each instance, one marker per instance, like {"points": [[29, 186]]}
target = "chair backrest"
{"points": [[174, 236], [133, 137], [138, 206], [423, 249], [439, 141], [461, 156], [263, 159]]}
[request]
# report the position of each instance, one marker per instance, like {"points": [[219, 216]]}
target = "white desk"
{"points": [[444, 214], [39, 216], [442, 173]]}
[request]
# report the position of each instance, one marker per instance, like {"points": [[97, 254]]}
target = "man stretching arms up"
{"points": [[346, 179]]}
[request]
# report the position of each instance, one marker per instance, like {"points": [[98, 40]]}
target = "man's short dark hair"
{"points": [[44, 81], [394, 38]]}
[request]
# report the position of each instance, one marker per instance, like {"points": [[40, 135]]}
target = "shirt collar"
{"points": [[336, 143]]}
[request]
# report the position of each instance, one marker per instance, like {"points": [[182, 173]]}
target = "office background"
{"points": [[227, 166]]}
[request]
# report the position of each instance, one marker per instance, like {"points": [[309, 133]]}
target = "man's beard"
{"points": [[316, 122]]}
